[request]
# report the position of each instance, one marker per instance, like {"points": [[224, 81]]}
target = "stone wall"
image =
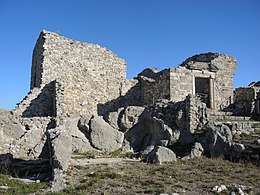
{"points": [[218, 68], [196, 114], [91, 74], [246, 100], [38, 102], [176, 83], [71, 78], [257, 106], [181, 82], [154, 85], [223, 83]]}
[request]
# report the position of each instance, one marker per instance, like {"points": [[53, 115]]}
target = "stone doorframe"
{"points": [[211, 77]]}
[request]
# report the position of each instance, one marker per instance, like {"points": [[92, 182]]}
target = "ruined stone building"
{"points": [[71, 78], [209, 76], [80, 100]]}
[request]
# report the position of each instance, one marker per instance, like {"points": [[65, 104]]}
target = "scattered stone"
{"points": [[4, 188], [219, 189], [196, 150], [160, 155]]}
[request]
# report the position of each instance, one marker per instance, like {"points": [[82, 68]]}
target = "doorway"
{"points": [[202, 90]]}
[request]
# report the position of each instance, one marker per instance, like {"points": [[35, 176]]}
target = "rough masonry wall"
{"points": [[91, 74], [247, 101], [154, 85], [223, 82], [219, 67], [180, 83]]}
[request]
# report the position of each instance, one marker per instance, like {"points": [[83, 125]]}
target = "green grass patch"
{"points": [[256, 125], [82, 155], [19, 187]]}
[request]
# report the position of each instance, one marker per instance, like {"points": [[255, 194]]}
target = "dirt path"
{"points": [[83, 162]]}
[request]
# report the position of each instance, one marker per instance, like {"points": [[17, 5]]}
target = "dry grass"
{"points": [[196, 176]]}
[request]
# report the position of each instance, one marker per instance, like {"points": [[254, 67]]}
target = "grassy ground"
{"points": [[197, 176], [18, 187]]}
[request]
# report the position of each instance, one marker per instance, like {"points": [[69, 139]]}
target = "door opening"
{"points": [[202, 89]]}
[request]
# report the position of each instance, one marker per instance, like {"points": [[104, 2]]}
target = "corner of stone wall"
{"points": [[196, 113]]}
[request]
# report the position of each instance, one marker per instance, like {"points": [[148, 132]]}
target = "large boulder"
{"points": [[61, 147], [151, 131], [103, 136], [217, 140], [79, 130], [159, 154], [196, 151], [237, 151], [129, 117]]}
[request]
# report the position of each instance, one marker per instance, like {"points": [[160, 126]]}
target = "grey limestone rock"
{"points": [[129, 117], [83, 124], [196, 150], [237, 151], [217, 140], [160, 154], [58, 183], [80, 142], [113, 118], [103, 136], [151, 131], [61, 144]]}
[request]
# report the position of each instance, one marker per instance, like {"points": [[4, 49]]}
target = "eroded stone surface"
{"points": [[103, 136]]}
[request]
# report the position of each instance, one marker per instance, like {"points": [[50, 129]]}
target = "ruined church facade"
{"points": [[71, 78]]}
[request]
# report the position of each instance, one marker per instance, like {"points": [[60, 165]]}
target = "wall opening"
{"points": [[202, 90]]}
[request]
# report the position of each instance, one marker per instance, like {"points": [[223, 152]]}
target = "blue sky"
{"points": [[145, 33]]}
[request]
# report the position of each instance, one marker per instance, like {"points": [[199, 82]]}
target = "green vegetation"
{"points": [[82, 155], [19, 187], [196, 176], [256, 125]]}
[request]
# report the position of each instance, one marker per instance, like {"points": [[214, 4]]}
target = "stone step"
{"points": [[219, 113], [229, 118]]}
